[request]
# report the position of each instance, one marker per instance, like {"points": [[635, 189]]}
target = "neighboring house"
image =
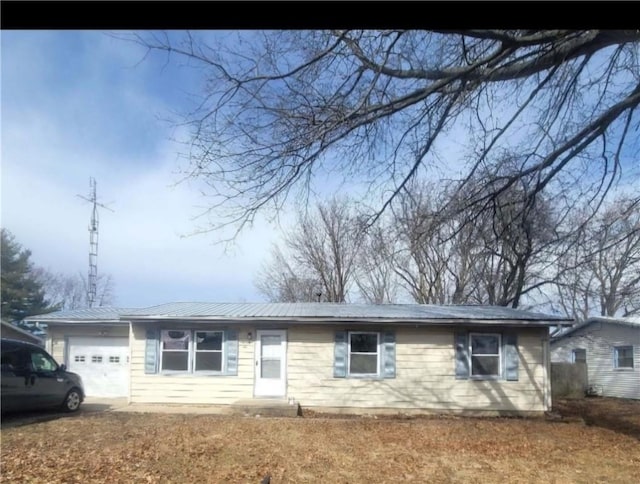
{"points": [[12, 331], [611, 349], [322, 355]]}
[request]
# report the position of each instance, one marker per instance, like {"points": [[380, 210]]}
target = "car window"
{"points": [[42, 362], [13, 359]]}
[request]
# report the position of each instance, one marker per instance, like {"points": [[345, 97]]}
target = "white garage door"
{"points": [[103, 364]]}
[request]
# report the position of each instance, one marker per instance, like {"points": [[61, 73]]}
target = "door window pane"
{"points": [[270, 368]]}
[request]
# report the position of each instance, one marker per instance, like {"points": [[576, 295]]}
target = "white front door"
{"points": [[271, 363]]}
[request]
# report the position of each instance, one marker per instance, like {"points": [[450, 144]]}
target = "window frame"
{"points": [[378, 373], [616, 358], [500, 355], [191, 353], [573, 354]]}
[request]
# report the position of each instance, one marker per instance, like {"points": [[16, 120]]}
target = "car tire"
{"points": [[72, 401]]}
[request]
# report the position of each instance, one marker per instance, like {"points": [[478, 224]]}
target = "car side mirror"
{"points": [[62, 368]]}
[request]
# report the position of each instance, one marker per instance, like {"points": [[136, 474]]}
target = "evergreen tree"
{"points": [[22, 293]]}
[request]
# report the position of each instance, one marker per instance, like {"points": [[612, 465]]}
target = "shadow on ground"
{"points": [[19, 419], [617, 414]]}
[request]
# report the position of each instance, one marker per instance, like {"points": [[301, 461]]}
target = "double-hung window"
{"points": [[364, 353], [623, 357], [484, 349], [188, 351]]}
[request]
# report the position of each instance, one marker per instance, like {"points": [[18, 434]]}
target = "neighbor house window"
{"points": [[579, 355], [364, 353], [175, 346], [484, 349], [208, 351], [623, 357], [191, 351]]}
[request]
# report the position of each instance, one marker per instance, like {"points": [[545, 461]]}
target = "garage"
{"points": [[103, 364]]}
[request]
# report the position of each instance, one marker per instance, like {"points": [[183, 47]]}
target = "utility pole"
{"points": [[92, 282]]}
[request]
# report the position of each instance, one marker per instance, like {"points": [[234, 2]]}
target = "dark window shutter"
{"points": [[389, 355], [232, 351], [151, 352], [462, 355], [340, 355], [510, 349]]}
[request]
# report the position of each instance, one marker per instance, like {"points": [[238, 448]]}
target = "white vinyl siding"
{"points": [[599, 340], [425, 374], [191, 388]]}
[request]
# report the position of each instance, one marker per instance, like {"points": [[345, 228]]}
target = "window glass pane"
{"points": [[579, 355], [209, 340], [175, 340], [42, 362], [485, 344], [485, 365], [363, 364], [625, 357], [364, 343], [209, 361], [270, 346], [270, 369], [175, 360]]}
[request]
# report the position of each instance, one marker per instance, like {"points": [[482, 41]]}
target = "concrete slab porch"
{"points": [[265, 407]]}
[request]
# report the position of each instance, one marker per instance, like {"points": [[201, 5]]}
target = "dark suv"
{"points": [[32, 379]]}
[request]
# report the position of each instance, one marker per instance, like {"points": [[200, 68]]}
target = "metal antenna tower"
{"points": [[92, 283]]}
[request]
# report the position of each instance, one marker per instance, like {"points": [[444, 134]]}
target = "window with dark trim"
{"points": [[623, 357]]}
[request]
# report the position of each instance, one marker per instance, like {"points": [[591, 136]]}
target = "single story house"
{"points": [[611, 349], [340, 357], [8, 330]]}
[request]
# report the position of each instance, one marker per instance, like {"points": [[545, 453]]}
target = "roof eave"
{"points": [[336, 320]]}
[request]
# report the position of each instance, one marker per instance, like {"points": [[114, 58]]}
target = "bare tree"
{"points": [[70, 292], [377, 107], [322, 248], [375, 274], [278, 281], [600, 271]]}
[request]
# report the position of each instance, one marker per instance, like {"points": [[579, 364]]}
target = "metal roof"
{"points": [[301, 312], [103, 314], [633, 321], [412, 312]]}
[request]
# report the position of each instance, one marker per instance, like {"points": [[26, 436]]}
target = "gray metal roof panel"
{"points": [[105, 313], [336, 311], [633, 321]]}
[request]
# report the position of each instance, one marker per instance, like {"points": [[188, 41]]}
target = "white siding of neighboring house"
{"points": [[425, 375], [599, 339], [57, 336]]}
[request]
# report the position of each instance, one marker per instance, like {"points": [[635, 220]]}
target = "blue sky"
{"points": [[80, 104]]}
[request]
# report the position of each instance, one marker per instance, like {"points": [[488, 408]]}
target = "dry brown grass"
{"points": [[122, 447]]}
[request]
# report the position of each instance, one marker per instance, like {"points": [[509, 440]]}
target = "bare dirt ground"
{"points": [[128, 447]]}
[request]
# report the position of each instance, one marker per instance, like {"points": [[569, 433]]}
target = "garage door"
{"points": [[103, 364]]}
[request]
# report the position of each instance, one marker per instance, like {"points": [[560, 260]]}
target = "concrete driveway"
{"points": [[89, 406]]}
